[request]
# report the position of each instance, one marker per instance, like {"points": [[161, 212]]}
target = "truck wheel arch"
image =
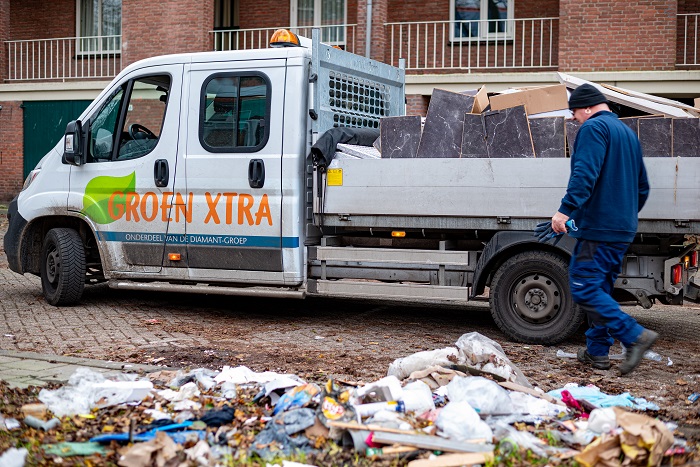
{"points": [[36, 230], [505, 244]]}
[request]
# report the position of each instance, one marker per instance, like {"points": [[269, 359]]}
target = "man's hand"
{"points": [[559, 223]]}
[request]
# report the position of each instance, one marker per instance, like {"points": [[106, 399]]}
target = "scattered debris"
{"points": [[432, 416]]}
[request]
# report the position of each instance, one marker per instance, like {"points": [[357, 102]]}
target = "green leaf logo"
{"points": [[98, 192]]}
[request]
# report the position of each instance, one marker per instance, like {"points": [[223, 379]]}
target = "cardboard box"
{"points": [[481, 99], [535, 100]]}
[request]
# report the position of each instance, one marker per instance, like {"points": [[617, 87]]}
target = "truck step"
{"points": [[389, 291], [209, 289]]}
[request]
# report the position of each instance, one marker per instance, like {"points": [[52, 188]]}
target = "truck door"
{"points": [[234, 171], [125, 188]]}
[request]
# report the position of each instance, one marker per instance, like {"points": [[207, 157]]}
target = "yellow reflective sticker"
{"points": [[334, 177]]}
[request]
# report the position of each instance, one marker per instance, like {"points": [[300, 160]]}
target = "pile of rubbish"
{"points": [[461, 405]]}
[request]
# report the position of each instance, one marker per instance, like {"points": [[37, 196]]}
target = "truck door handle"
{"points": [[256, 173], [161, 173]]}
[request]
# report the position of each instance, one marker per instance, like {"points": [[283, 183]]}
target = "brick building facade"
{"points": [[651, 44]]}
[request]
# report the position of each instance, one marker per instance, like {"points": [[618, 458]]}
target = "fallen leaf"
{"points": [[681, 382]]}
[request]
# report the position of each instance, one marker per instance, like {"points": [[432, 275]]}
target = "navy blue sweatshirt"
{"points": [[608, 185]]}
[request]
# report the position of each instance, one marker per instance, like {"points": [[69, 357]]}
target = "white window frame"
{"points": [[294, 14], [484, 33], [100, 50]]}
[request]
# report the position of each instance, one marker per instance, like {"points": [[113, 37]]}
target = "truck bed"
{"points": [[496, 194]]}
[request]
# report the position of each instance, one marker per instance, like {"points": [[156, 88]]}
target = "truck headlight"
{"points": [[30, 178]]}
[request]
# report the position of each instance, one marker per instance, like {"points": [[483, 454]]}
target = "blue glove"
{"points": [[543, 231]]}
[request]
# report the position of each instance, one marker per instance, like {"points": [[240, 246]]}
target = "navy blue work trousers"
{"points": [[592, 272]]}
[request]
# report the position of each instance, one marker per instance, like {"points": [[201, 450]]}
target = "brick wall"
{"points": [[264, 14], [38, 19], [417, 104], [177, 26], [11, 150], [598, 35], [4, 36]]}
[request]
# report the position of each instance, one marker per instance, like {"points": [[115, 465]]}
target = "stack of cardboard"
{"points": [[531, 122]]}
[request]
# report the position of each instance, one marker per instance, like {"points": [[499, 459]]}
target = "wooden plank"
{"points": [[429, 442], [370, 427], [638, 103], [453, 460]]}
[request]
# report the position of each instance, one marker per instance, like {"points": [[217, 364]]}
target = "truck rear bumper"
{"points": [[13, 237]]}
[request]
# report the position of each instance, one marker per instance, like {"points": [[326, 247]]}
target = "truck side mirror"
{"points": [[73, 150]]}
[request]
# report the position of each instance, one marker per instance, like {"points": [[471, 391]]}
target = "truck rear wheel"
{"points": [[530, 299], [62, 267]]}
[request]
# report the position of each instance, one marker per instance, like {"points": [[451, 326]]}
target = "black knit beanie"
{"points": [[586, 95]]}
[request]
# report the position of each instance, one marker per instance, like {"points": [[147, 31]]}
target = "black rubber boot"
{"points": [[637, 350], [601, 363]]}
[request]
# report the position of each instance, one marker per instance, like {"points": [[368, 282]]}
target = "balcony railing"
{"points": [[475, 45], [688, 39], [64, 58], [342, 35]]}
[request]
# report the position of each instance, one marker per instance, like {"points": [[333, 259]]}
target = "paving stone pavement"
{"points": [[23, 369]]}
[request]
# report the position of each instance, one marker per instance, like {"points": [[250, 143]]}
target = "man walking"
{"points": [[607, 187]]}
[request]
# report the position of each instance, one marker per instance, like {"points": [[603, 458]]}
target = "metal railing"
{"points": [[522, 43], [342, 35], [688, 39], [64, 58]]}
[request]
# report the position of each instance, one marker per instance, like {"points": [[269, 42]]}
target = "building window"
{"points": [[481, 19], [329, 15], [234, 112], [99, 26]]}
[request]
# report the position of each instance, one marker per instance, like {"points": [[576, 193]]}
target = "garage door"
{"points": [[44, 124]]}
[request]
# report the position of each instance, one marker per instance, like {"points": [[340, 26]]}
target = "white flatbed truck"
{"points": [[190, 173]]}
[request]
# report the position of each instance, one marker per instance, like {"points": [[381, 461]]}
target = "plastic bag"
{"points": [[482, 394], [485, 354], [459, 421], [87, 389], [402, 367], [417, 397]]}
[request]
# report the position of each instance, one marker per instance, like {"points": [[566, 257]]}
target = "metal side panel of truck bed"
{"points": [[490, 193]]}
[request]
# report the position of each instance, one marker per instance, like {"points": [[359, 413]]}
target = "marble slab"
{"points": [[686, 137], [632, 123], [444, 123], [399, 136], [508, 133], [572, 127], [548, 136], [473, 136], [655, 136]]}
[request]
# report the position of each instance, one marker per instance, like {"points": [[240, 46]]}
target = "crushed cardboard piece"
{"points": [[155, 452], [535, 100], [435, 376]]}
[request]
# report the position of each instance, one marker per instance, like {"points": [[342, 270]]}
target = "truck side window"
{"points": [[234, 112], [103, 129], [144, 118]]}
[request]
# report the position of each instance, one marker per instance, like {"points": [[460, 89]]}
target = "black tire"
{"points": [[530, 299], [62, 267]]}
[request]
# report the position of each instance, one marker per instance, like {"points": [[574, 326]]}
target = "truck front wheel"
{"points": [[530, 299], [62, 267]]}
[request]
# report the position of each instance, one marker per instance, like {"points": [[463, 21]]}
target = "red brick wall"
{"points": [[38, 19], [263, 14], [600, 35], [417, 104], [174, 27], [4, 36], [11, 150]]}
